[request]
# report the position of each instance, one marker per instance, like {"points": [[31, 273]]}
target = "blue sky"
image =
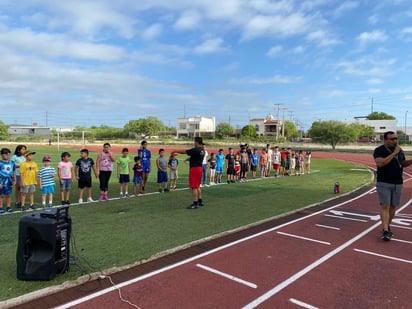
{"points": [[88, 63]]}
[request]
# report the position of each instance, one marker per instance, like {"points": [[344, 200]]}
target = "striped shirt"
{"points": [[45, 174]]}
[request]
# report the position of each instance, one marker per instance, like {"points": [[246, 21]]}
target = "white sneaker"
{"points": [[80, 200], [89, 199]]}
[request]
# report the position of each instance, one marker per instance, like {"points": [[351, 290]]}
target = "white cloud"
{"points": [[56, 45], [368, 67], [298, 50], [152, 32], [345, 7], [373, 20], [210, 46], [371, 37], [276, 25], [322, 38], [188, 20], [277, 79], [375, 81], [275, 51], [90, 18]]}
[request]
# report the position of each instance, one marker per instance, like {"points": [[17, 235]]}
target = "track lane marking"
{"points": [[401, 227], [191, 259], [328, 227], [402, 241], [225, 275], [383, 256], [302, 304], [315, 264], [305, 238], [345, 218]]}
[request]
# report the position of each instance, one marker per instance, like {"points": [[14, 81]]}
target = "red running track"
{"points": [[330, 259]]}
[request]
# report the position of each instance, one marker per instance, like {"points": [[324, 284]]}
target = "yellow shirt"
{"points": [[28, 172]]}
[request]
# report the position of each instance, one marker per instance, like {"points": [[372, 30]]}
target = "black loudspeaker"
{"points": [[44, 244]]}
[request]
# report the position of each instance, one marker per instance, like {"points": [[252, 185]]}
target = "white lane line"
{"points": [[312, 266], [383, 256], [217, 272], [191, 259], [401, 240], [405, 215], [401, 227], [345, 218], [328, 227], [302, 304], [305, 238]]}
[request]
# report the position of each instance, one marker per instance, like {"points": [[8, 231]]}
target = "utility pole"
{"points": [[277, 120], [47, 118], [283, 121], [371, 105]]}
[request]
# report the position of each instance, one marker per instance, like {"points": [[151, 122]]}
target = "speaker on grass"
{"points": [[44, 244]]}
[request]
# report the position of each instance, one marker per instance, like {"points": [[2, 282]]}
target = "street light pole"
{"points": [[406, 114]]}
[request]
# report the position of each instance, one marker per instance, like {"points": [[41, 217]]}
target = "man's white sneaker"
{"points": [[80, 200], [89, 199]]}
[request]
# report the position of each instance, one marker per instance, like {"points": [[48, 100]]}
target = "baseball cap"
{"points": [[28, 152], [5, 151], [46, 158]]}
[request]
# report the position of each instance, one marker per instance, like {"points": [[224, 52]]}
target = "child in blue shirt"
{"points": [[7, 179]]}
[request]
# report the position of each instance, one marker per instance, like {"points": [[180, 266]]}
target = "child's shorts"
{"points": [[161, 177], [47, 189], [124, 178], [66, 185], [137, 179], [5, 190], [173, 174], [28, 189]]}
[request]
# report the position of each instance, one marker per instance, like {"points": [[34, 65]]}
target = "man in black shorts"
{"points": [[390, 161]]}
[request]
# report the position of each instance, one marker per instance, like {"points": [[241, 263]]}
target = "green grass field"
{"points": [[123, 231]]}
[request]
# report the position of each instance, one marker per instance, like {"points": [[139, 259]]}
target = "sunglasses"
{"points": [[393, 139]]}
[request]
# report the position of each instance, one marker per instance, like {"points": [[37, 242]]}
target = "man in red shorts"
{"points": [[195, 172]]}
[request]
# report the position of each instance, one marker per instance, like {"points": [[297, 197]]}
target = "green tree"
{"points": [[224, 129], [290, 130], [4, 131], [105, 132], [145, 126], [331, 132], [249, 131], [361, 130], [380, 116]]}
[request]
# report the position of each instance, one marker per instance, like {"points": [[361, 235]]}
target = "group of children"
{"points": [[22, 172], [283, 162]]}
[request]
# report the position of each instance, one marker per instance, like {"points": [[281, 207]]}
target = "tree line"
{"points": [[330, 132]]}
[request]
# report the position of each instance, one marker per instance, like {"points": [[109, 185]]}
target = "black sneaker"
{"points": [[32, 207], [201, 204], [67, 202], [193, 206], [166, 190], [63, 202], [387, 235]]}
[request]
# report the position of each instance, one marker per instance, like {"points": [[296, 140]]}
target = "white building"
{"points": [[28, 130], [196, 126], [268, 126]]}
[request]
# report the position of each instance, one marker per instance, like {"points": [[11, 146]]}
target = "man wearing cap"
{"points": [[28, 171], [195, 172]]}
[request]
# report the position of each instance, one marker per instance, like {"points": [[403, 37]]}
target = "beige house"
{"points": [[268, 126]]}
